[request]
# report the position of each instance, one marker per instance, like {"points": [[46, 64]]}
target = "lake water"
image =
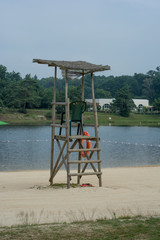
{"points": [[28, 147]]}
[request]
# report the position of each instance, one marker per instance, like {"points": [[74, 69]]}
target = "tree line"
{"points": [[31, 92]]}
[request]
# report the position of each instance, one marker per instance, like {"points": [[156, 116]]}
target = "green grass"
{"points": [[122, 228], [43, 117], [116, 120], [32, 117]]}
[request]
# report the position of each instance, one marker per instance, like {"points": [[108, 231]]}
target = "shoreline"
{"points": [[31, 170], [27, 198], [39, 117], [105, 168]]}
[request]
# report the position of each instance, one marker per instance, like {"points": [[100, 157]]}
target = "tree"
{"points": [[123, 102], [12, 94], [156, 104], [148, 90], [156, 86], [75, 93], [3, 71], [47, 97], [100, 93], [30, 93]]}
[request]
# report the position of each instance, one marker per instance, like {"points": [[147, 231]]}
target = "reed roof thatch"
{"points": [[74, 68]]}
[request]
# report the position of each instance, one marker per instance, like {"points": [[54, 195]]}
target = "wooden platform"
{"points": [[74, 137]]}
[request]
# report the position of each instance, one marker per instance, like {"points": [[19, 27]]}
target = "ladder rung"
{"points": [[81, 137], [84, 161], [82, 174], [59, 103], [58, 125], [84, 150]]}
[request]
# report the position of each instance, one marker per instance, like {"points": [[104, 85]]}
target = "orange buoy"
{"points": [[88, 144]]}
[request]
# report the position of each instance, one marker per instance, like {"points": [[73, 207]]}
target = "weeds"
{"points": [[130, 228], [28, 218]]}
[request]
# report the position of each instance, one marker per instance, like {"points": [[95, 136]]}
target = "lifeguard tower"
{"points": [[67, 143]]}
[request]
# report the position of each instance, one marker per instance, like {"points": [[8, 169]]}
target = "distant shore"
{"points": [[26, 196], [43, 117]]}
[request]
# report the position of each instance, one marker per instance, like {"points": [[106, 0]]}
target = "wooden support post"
{"points": [[79, 154], [96, 128], [67, 137], [53, 128], [67, 129], [82, 86], [79, 162]]}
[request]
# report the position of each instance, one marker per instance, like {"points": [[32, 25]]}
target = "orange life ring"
{"points": [[88, 144]]}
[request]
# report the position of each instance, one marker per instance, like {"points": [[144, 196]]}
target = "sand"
{"points": [[26, 198]]}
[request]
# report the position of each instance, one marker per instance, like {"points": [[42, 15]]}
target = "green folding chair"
{"points": [[77, 108]]}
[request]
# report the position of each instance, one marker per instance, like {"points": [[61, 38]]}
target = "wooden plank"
{"points": [[61, 137], [86, 173], [84, 161], [84, 150], [80, 137]]}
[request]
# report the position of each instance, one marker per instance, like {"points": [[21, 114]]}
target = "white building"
{"points": [[141, 102], [105, 102]]}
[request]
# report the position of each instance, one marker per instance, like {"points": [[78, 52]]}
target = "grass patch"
{"points": [[121, 228], [43, 117], [117, 120], [56, 186], [31, 117]]}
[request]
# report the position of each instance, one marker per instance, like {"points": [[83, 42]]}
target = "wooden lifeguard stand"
{"points": [[71, 70]]}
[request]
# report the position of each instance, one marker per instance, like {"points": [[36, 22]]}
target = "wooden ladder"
{"points": [[70, 143]]}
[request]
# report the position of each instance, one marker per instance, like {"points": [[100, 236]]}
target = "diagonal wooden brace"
{"points": [[61, 163], [58, 159]]}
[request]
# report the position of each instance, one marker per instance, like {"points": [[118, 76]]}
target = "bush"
{"points": [[48, 115], [22, 110]]}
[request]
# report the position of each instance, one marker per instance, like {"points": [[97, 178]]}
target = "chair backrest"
{"points": [[76, 109]]}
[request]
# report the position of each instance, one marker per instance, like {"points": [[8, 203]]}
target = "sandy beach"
{"points": [[25, 197]]}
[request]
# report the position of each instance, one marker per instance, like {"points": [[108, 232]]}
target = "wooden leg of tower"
{"points": [[79, 165], [67, 138], [53, 128], [52, 155], [99, 176], [96, 129]]}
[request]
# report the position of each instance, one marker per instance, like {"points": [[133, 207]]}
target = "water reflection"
{"points": [[28, 147]]}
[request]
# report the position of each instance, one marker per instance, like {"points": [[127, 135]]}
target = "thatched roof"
{"points": [[74, 68]]}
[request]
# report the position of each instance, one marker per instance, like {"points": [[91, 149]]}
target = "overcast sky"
{"points": [[124, 34]]}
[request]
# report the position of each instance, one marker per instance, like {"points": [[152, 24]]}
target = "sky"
{"points": [[123, 34]]}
